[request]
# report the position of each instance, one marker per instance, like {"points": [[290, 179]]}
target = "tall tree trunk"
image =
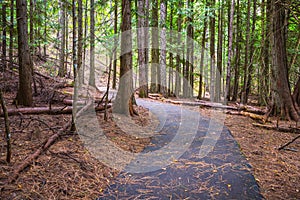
{"points": [[141, 16], [74, 40], [4, 26], [280, 67], [85, 36], [170, 83], [212, 52], [189, 68], [219, 54], [265, 70], [80, 43], [178, 61], [11, 34], [154, 49], [230, 52], [31, 26], [114, 83], [238, 53], [296, 93], [163, 54], [203, 43], [244, 98], [123, 103], [24, 95], [45, 27], [249, 79], [92, 44], [61, 71]]}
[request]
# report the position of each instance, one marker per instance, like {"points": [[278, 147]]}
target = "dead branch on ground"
{"points": [[44, 146]]}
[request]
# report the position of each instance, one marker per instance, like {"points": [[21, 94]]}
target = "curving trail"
{"points": [[192, 157]]}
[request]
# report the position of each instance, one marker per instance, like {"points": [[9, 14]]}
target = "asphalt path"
{"points": [[190, 157]]}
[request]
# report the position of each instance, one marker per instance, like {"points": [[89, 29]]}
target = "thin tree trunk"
{"points": [[85, 36], [244, 98], [212, 52], [114, 84], [163, 54], [74, 48], [230, 52], [4, 26], [219, 54], [203, 42], [62, 38], [170, 83], [92, 45], [141, 16], [80, 43], [154, 49], [45, 27], [238, 54], [178, 63], [31, 28], [11, 34], [188, 72], [249, 79], [7, 131]]}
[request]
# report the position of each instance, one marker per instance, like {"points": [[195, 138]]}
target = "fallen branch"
{"points": [[281, 129], [285, 145], [45, 146], [44, 110], [248, 114], [69, 102]]}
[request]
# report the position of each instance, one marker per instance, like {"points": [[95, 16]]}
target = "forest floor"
{"points": [[68, 171]]}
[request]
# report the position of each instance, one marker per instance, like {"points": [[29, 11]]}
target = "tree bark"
{"points": [[62, 71], [212, 52], [219, 54], [123, 103], [230, 52], [4, 27], [141, 16], [163, 54], [24, 95], [80, 44], [238, 54], [154, 49], [289, 110], [203, 42], [92, 45], [178, 63], [11, 34], [114, 83]]}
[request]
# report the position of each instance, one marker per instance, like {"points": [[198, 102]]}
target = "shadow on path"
{"points": [[177, 170]]}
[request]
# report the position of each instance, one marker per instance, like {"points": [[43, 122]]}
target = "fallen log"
{"points": [[69, 102], [261, 118], [45, 110], [281, 129]]}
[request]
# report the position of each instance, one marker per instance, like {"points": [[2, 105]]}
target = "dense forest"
{"points": [[213, 52], [233, 50]]}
